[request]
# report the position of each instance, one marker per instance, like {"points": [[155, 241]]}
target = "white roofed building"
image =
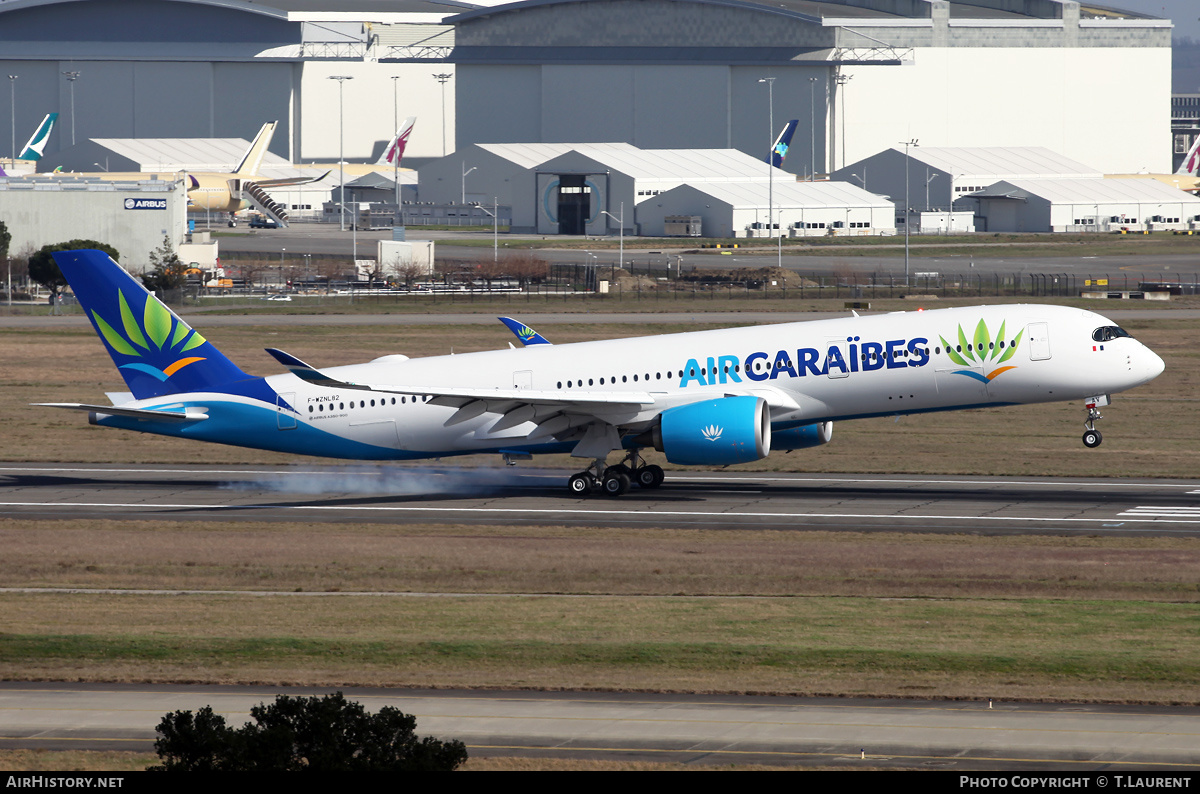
{"points": [[565, 188], [484, 172], [939, 175], [1095, 204], [740, 209]]}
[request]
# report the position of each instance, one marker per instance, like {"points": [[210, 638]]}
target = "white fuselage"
{"points": [[816, 371]]}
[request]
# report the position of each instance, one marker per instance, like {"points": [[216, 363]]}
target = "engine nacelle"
{"points": [[802, 437], [715, 432]]}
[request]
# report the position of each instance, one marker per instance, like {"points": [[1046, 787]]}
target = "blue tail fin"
{"points": [[780, 149], [156, 352]]}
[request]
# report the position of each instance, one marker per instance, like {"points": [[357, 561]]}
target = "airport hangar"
{"points": [[860, 75], [221, 68], [560, 188]]}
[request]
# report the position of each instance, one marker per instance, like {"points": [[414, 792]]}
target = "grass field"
{"points": [[1067, 618]]}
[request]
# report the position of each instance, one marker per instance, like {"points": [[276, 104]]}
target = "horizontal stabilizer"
{"points": [[309, 374], [133, 413]]}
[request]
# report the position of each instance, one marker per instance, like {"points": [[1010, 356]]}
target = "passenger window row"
{"points": [[382, 401]]}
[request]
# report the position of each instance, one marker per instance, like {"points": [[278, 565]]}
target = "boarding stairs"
{"points": [[257, 197]]}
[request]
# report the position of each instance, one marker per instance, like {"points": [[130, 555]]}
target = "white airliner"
{"points": [[702, 398]]}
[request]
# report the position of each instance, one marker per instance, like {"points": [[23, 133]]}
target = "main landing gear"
{"points": [[616, 480], [1092, 436]]}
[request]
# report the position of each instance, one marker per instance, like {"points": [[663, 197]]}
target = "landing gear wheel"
{"points": [[580, 484], [1092, 439], [615, 484], [650, 476], [620, 468]]}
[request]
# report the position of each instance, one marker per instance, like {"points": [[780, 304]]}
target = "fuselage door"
{"points": [[837, 357], [1039, 341], [285, 417]]}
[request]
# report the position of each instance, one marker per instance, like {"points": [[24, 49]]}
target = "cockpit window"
{"points": [[1107, 332]]}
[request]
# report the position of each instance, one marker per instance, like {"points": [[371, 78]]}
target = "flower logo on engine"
{"points": [[712, 432]]}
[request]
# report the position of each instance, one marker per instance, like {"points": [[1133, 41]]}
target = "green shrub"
{"points": [[329, 734]]}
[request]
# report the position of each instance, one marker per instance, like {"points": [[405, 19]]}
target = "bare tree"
{"points": [[406, 270]]}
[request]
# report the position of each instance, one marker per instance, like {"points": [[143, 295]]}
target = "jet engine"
{"points": [[802, 437], [714, 432]]}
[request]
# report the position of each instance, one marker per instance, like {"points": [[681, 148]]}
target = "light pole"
{"points": [[779, 239], [71, 78], [443, 79], [812, 128], [770, 81], [12, 83], [929, 178], [464, 180], [862, 179], [341, 80], [396, 126], [495, 213], [842, 80], [907, 217], [621, 226], [950, 203]]}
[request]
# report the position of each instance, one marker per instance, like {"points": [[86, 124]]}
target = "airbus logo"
{"points": [[145, 204], [712, 432]]}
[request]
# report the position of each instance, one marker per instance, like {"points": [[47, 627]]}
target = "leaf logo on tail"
{"points": [[159, 336], [983, 351]]}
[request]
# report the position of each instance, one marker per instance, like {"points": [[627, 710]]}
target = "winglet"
{"points": [[527, 335], [301, 370]]}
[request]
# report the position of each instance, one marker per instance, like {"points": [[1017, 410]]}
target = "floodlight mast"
{"points": [[907, 213], [770, 81], [621, 226], [341, 80]]}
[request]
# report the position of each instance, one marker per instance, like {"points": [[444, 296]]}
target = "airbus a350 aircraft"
{"points": [[232, 192], [703, 398]]}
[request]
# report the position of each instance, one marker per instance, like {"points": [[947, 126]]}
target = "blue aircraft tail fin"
{"points": [[780, 149], [156, 352], [527, 335]]}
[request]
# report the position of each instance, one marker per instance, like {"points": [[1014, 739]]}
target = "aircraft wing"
{"points": [[291, 180], [133, 413], [455, 396]]}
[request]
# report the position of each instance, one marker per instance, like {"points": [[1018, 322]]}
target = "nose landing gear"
{"points": [[1092, 436]]}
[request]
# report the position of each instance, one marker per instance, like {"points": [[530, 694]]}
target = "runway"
{"points": [[696, 729], [447, 493], [690, 729]]}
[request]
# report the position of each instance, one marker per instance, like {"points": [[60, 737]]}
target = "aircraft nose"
{"points": [[1152, 364]]}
